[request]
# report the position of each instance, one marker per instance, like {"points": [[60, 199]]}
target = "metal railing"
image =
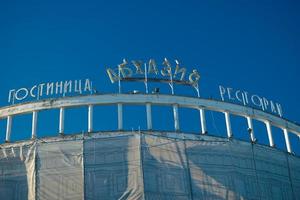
{"points": [[148, 100]]}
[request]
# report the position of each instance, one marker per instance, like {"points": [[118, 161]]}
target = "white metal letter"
{"points": [[152, 67], [113, 76], [25, 95], [125, 71], [67, 87], [138, 65], [78, 86], [279, 109], [222, 92], [194, 77], [49, 89], [13, 95], [87, 85], [260, 103], [59, 87], [31, 91], [41, 88], [179, 70]]}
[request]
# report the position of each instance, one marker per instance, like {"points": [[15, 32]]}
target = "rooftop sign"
{"points": [[61, 88], [164, 70], [149, 71], [247, 99], [138, 70]]}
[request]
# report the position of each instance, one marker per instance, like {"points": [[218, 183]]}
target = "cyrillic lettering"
{"points": [[194, 77], [59, 87], [152, 67], [138, 66], [78, 86], [179, 70], [87, 85], [31, 91], [18, 97], [67, 87], [11, 95], [49, 88]]}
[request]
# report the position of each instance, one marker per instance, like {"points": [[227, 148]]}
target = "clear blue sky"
{"points": [[251, 45]]}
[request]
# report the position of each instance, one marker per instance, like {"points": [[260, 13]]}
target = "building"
{"points": [[147, 164]]}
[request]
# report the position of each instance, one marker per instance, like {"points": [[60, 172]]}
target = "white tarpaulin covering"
{"points": [[59, 171], [132, 165], [113, 168], [17, 172]]}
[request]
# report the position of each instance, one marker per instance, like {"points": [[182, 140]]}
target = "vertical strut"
{"points": [[34, 124], [61, 121], [149, 116], [90, 118], [203, 121], [270, 136], [120, 116], [8, 128], [176, 117], [228, 124]]}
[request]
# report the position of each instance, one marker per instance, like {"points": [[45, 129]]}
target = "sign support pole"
{"points": [[119, 81], [146, 79]]}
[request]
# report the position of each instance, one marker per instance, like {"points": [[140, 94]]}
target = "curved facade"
{"points": [[146, 165]]}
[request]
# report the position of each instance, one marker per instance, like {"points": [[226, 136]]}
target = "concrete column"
{"points": [[8, 128], [90, 118], [203, 121], [149, 116], [250, 128], [120, 116], [176, 117], [34, 124], [269, 131], [61, 121], [287, 140], [228, 125]]}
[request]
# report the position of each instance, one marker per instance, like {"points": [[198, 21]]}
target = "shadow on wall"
{"points": [[216, 169], [167, 172], [237, 170], [112, 168], [165, 168]]}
